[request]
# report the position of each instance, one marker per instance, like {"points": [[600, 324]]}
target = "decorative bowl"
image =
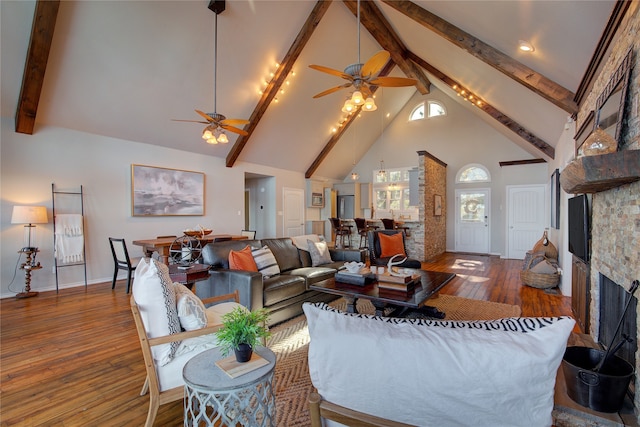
{"points": [[197, 233], [353, 266]]}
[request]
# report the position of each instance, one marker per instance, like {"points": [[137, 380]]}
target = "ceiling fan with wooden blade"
{"points": [[217, 123], [215, 120], [363, 77]]}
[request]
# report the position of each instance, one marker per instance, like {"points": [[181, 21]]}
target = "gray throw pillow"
{"points": [[319, 252]]}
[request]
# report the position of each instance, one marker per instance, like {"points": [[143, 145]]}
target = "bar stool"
{"points": [[342, 231]]}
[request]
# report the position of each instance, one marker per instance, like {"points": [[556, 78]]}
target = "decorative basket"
{"points": [[197, 233], [544, 244], [538, 280]]}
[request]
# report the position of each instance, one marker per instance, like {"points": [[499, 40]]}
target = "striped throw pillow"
{"points": [[266, 262]]}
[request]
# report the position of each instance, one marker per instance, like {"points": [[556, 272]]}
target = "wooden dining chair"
{"points": [[122, 261]]}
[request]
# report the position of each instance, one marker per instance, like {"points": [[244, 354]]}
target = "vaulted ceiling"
{"points": [[126, 69]]}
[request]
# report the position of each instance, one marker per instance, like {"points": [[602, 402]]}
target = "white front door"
{"points": [[293, 207], [472, 220], [525, 218]]}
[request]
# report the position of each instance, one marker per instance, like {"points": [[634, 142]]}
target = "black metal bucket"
{"points": [[601, 391]]}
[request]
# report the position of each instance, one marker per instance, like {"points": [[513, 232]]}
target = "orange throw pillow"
{"points": [[391, 245], [242, 260]]}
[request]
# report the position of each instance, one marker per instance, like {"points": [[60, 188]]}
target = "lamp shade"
{"points": [[29, 215]]}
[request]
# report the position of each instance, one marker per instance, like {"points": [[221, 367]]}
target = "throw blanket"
{"points": [[69, 238], [300, 242], [69, 224]]}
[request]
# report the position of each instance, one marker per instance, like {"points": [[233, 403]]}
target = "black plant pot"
{"points": [[243, 353]]}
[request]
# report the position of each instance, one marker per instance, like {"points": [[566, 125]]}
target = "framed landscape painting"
{"points": [[166, 192]]}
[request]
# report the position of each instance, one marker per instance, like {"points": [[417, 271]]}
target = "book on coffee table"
{"points": [[406, 278], [398, 283], [400, 287]]}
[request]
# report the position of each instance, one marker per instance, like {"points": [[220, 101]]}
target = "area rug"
{"points": [[289, 341]]}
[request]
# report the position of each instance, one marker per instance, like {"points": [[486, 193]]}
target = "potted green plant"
{"points": [[241, 331]]}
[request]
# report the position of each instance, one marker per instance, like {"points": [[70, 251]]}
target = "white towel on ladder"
{"points": [[69, 238], [69, 224]]}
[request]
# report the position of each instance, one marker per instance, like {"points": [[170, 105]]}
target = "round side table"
{"points": [[211, 397]]}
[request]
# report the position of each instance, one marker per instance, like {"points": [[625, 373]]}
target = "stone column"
{"points": [[430, 237]]}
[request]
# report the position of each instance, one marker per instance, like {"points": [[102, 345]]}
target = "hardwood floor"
{"points": [[73, 358]]}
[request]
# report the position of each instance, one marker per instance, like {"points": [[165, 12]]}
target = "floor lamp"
{"points": [[29, 215]]}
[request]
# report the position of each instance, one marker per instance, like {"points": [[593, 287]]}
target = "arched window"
{"points": [[417, 113], [473, 173], [433, 109]]}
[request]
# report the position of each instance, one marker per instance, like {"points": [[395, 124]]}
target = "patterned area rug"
{"points": [[289, 341]]}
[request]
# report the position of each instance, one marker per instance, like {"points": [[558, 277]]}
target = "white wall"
{"points": [[459, 138], [30, 163], [565, 152]]}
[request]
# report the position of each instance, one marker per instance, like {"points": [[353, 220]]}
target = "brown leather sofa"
{"points": [[282, 294]]}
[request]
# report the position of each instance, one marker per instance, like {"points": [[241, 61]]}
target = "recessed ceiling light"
{"points": [[525, 46]]}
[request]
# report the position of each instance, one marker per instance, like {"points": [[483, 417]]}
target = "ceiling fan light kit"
{"points": [[363, 77], [217, 123], [369, 105]]}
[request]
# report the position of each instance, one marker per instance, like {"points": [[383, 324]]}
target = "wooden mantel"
{"points": [[591, 174]]}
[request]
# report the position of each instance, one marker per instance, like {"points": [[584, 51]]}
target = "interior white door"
{"points": [[293, 208], [472, 220], [525, 218]]}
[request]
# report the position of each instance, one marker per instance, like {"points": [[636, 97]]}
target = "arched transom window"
{"points": [[433, 109], [473, 173]]}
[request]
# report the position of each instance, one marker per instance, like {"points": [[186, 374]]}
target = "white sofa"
{"points": [[437, 372]]}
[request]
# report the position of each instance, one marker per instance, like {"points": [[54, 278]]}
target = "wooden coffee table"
{"points": [[382, 299]]}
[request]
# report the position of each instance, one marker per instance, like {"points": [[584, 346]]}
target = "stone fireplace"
{"points": [[615, 212], [615, 255]]}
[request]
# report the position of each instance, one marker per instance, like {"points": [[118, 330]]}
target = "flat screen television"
{"points": [[579, 227]]}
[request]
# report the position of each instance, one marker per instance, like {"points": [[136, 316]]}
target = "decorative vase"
{"points": [[243, 353], [599, 142]]}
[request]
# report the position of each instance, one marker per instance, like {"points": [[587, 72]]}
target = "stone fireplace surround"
{"points": [[615, 213]]}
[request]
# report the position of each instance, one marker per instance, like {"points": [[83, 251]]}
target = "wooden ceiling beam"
{"points": [[505, 120], [519, 72], [380, 29], [279, 78], [336, 137], [44, 23]]}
